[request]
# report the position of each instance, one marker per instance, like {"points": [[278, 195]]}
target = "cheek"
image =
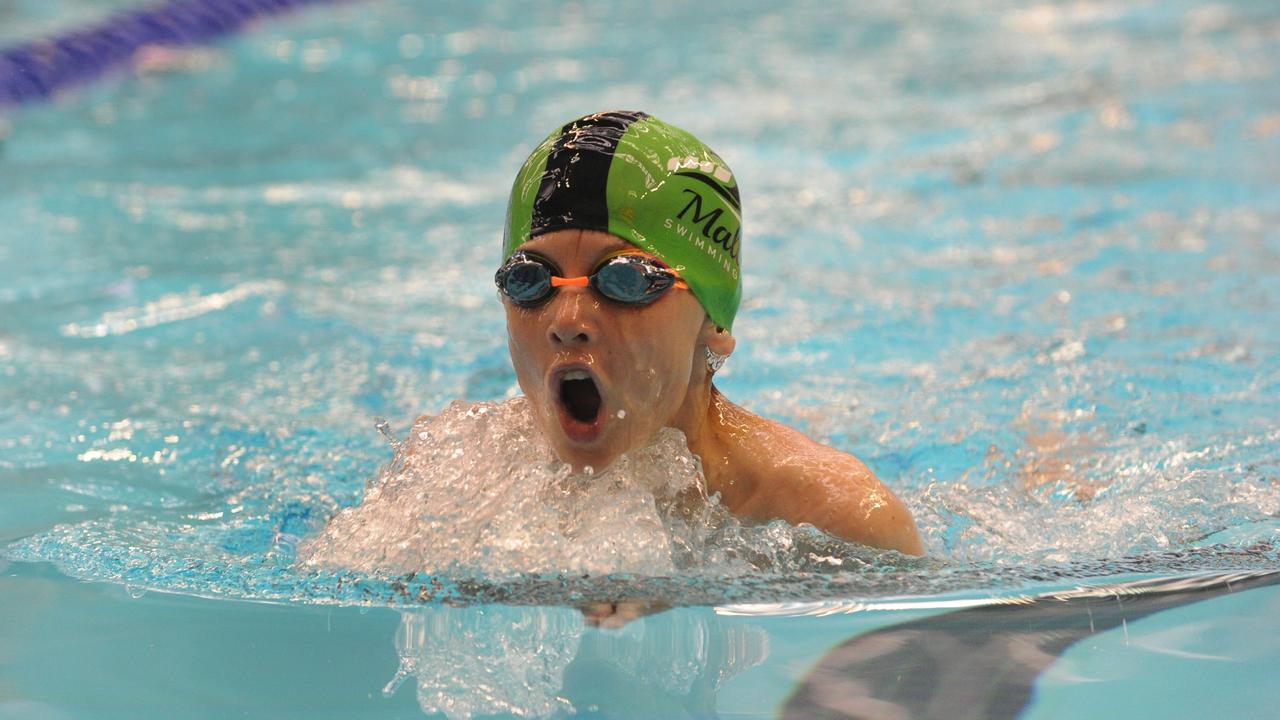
{"points": [[661, 358], [522, 332]]}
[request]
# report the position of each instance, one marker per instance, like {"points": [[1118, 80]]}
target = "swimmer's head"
{"points": [[654, 185], [609, 347]]}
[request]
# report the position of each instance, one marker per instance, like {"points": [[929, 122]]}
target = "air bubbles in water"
{"points": [[513, 660]]}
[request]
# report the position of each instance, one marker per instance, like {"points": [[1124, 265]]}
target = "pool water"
{"points": [[1022, 260]]}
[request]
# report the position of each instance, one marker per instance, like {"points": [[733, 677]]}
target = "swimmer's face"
{"points": [[603, 377]]}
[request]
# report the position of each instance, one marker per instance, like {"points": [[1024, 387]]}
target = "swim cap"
{"points": [[652, 184]]}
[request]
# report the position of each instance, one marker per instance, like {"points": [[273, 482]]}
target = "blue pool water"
{"points": [[1022, 260]]}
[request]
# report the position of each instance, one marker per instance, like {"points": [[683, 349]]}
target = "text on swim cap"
{"points": [[711, 228]]}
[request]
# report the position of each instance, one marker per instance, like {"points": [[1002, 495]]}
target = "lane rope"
{"points": [[37, 70]]}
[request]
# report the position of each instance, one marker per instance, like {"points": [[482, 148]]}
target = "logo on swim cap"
{"points": [[689, 162], [652, 184]]}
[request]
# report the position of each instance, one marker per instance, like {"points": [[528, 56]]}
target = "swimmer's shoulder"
{"points": [[800, 479], [778, 449]]}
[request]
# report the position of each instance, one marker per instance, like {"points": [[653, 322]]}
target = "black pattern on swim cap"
{"points": [[574, 183]]}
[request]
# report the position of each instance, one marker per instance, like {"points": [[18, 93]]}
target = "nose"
{"points": [[573, 318]]}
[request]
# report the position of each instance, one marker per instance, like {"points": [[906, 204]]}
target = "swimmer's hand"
{"points": [[613, 615]]}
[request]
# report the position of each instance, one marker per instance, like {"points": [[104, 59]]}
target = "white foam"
{"points": [[477, 487]]}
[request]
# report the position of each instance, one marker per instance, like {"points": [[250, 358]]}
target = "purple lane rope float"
{"points": [[39, 69]]}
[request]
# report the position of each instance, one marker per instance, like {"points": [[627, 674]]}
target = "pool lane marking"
{"points": [[37, 70]]}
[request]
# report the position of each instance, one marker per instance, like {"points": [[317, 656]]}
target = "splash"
{"points": [[478, 488], [474, 509]]}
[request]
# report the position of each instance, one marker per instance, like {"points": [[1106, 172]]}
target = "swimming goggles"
{"points": [[528, 279]]}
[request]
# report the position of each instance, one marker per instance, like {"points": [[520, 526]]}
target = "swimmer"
{"points": [[620, 278]]}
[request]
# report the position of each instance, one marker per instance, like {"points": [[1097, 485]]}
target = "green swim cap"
{"points": [[652, 184]]}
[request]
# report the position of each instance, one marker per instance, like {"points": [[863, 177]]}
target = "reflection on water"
{"points": [[533, 662], [985, 661]]}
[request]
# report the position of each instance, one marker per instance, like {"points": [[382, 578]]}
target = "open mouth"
{"points": [[580, 396]]}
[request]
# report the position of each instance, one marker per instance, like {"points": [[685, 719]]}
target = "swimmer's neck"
{"points": [[710, 423]]}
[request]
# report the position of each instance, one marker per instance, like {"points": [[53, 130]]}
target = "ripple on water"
{"points": [[451, 520]]}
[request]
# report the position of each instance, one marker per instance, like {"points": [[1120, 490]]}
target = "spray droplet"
{"points": [[401, 674], [588, 470], [622, 414], [134, 591], [384, 427]]}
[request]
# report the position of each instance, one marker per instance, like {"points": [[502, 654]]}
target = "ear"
{"points": [[717, 339]]}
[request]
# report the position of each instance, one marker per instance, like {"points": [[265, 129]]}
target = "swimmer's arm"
{"points": [[613, 615]]}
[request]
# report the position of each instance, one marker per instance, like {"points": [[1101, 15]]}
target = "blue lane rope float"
{"points": [[39, 69]]}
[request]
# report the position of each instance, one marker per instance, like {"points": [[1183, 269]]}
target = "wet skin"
{"points": [[648, 365]]}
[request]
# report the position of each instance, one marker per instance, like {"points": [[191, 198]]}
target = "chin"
{"points": [[598, 459], [598, 452]]}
